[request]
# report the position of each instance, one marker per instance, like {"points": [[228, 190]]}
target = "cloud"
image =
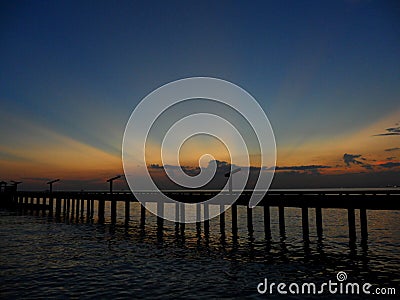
{"points": [[368, 166], [222, 167], [350, 159], [192, 171], [302, 168], [390, 165], [390, 158], [390, 131], [392, 149], [155, 166], [298, 180]]}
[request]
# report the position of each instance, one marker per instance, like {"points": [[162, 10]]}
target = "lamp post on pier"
{"points": [[111, 182], [15, 183], [51, 184], [229, 174], [113, 202], [15, 186], [58, 200]]}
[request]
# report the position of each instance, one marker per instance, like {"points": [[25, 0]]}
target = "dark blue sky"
{"points": [[320, 69]]}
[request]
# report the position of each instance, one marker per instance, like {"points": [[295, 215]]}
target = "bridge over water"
{"points": [[83, 203]]}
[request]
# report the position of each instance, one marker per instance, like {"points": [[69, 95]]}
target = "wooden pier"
{"points": [[81, 204]]}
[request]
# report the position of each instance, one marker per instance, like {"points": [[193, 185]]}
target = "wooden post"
{"points": [[127, 211], [51, 205], [198, 217], [72, 208], [25, 203], [222, 220], [100, 212], [267, 222], [37, 208], [44, 204], [206, 219], [77, 207], [177, 218], [282, 221], [113, 209], [82, 206], [234, 220], [142, 216], [318, 221], [58, 207], [20, 205], [352, 224], [87, 209], [182, 208], [92, 209], [160, 220], [68, 205], [250, 220], [113, 200], [363, 223], [64, 205], [31, 205], [304, 222]]}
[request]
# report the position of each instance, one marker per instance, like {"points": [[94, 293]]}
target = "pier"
{"points": [[82, 204]]}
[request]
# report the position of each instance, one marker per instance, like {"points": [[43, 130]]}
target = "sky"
{"points": [[326, 73]]}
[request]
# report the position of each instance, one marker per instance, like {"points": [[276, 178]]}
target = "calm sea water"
{"points": [[41, 258]]}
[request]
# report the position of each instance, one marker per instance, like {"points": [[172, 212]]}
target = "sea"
{"points": [[77, 258]]}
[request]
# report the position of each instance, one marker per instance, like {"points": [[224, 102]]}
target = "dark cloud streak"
{"points": [[392, 149], [390, 131], [390, 165], [350, 159], [302, 168]]}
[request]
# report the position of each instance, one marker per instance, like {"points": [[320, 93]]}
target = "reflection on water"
{"points": [[77, 258]]}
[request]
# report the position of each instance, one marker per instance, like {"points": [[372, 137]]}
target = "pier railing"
{"points": [[59, 204]]}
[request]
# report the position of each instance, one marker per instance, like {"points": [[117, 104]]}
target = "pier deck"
{"points": [[80, 203]]}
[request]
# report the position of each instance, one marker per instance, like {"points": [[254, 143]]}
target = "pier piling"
{"points": [[363, 224], [267, 222], [100, 212], [318, 221], [113, 210], [127, 211], [206, 221], [142, 216], [234, 219], [222, 220], [250, 221], [282, 220], [73, 203], [351, 223], [304, 222]]}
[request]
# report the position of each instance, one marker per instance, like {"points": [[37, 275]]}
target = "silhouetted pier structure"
{"points": [[79, 204]]}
